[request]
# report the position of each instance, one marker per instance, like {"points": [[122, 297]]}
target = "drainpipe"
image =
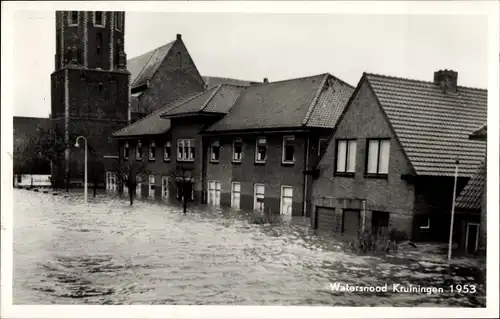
{"points": [[363, 220], [305, 177]]}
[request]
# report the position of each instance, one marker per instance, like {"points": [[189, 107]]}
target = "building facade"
{"points": [[391, 159]]}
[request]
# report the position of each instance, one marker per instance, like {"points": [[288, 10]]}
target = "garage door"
{"points": [[325, 218], [351, 222]]}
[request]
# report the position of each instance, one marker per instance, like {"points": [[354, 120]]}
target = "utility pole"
{"points": [[453, 210]]}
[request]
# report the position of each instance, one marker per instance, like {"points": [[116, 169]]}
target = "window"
{"points": [[261, 150], [167, 151], [138, 187], [346, 156], [425, 223], [152, 184], [179, 60], [98, 43], [321, 145], [259, 191], [235, 195], [185, 150], [152, 151], [98, 19], [378, 157], [288, 153], [214, 191], [73, 18], [164, 187], [126, 150], [118, 21], [380, 222], [215, 151], [138, 151], [237, 150], [286, 200]]}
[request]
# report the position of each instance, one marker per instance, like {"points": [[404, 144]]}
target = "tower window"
{"points": [[118, 21], [179, 60], [73, 18], [98, 43], [98, 19]]}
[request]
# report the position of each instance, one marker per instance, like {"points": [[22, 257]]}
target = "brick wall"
{"points": [[364, 119]]}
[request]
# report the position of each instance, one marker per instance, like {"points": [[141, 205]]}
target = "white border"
{"points": [[488, 8]]}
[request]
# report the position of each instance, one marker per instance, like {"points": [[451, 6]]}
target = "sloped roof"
{"points": [[213, 81], [143, 67], [480, 133], [152, 124], [218, 99], [302, 102], [433, 127], [471, 196]]}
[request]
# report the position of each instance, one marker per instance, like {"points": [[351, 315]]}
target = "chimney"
{"points": [[447, 80], [179, 36], [266, 80]]}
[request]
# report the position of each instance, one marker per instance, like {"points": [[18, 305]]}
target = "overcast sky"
{"points": [[277, 46]]}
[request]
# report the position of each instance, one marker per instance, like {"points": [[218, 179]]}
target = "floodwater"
{"points": [[108, 252]]}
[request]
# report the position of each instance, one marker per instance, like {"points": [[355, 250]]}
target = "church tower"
{"points": [[90, 91]]}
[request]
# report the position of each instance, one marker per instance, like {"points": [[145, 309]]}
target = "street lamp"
{"points": [[85, 176]]}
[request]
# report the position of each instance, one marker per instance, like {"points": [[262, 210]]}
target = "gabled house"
{"points": [[472, 202], [259, 155], [167, 142], [391, 158], [162, 76]]}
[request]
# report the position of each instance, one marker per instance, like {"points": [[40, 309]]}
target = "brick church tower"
{"points": [[90, 92]]}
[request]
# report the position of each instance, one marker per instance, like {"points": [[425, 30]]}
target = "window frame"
{"points": [[138, 147], [126, 150], [367, 159], [255, 197], [70, 19], [152, 146], [257, 161], [190, 144], [118, 18], [166, 145], [283, 152], [237, 140], [345, 172], [103, 19], [427, 226], [233, 183], [215, 143]]}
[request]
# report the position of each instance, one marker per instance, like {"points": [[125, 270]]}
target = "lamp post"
{"points": [[453, 210], [85, 176]]}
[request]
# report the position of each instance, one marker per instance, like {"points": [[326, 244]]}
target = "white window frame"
{"points": [[232, 195], [151, 186], [213, 202], [164, 187], [70, 19], [319, 144], [138, 186], [138, 151], [214, 143], [103, 19], [152, 146], [126, 147], [118, 25], [165, 146], [187, 144], [380, 141], [255, 186], [348, 153], [283, 187], [257, 143], [428, 225], [234, 159], [285, 139]]}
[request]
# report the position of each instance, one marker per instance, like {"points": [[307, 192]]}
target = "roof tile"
{"points": [[143, 67], [471, 196]]}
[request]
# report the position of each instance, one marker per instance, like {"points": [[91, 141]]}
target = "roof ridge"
{"points": [[417, 80], [217, 89], [151, 57], [144, 118], [315, 100], [292, 79], [187, 100]]}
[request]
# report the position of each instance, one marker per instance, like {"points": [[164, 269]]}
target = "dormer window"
{"points": [[126, 151], [99, 19], [152, 151], [73, 18], [138, 151], [118, 21]]}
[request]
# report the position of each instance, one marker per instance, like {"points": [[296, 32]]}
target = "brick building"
{"points": [[391, 158]]}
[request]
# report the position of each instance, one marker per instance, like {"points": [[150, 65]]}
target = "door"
{"points": [[164, 187], [325, 218], [472, 237], [258, 195], [214, 189], [108, 181], [235, 195], [380, 222], [350, 224], [152, 185], [125, 187], [138, 188], [113, 181], [286, 200]]}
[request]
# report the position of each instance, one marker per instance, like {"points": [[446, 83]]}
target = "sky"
{"points": [[252, 46]]}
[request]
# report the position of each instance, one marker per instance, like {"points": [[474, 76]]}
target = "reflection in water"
{"points": [[111, 253]]}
